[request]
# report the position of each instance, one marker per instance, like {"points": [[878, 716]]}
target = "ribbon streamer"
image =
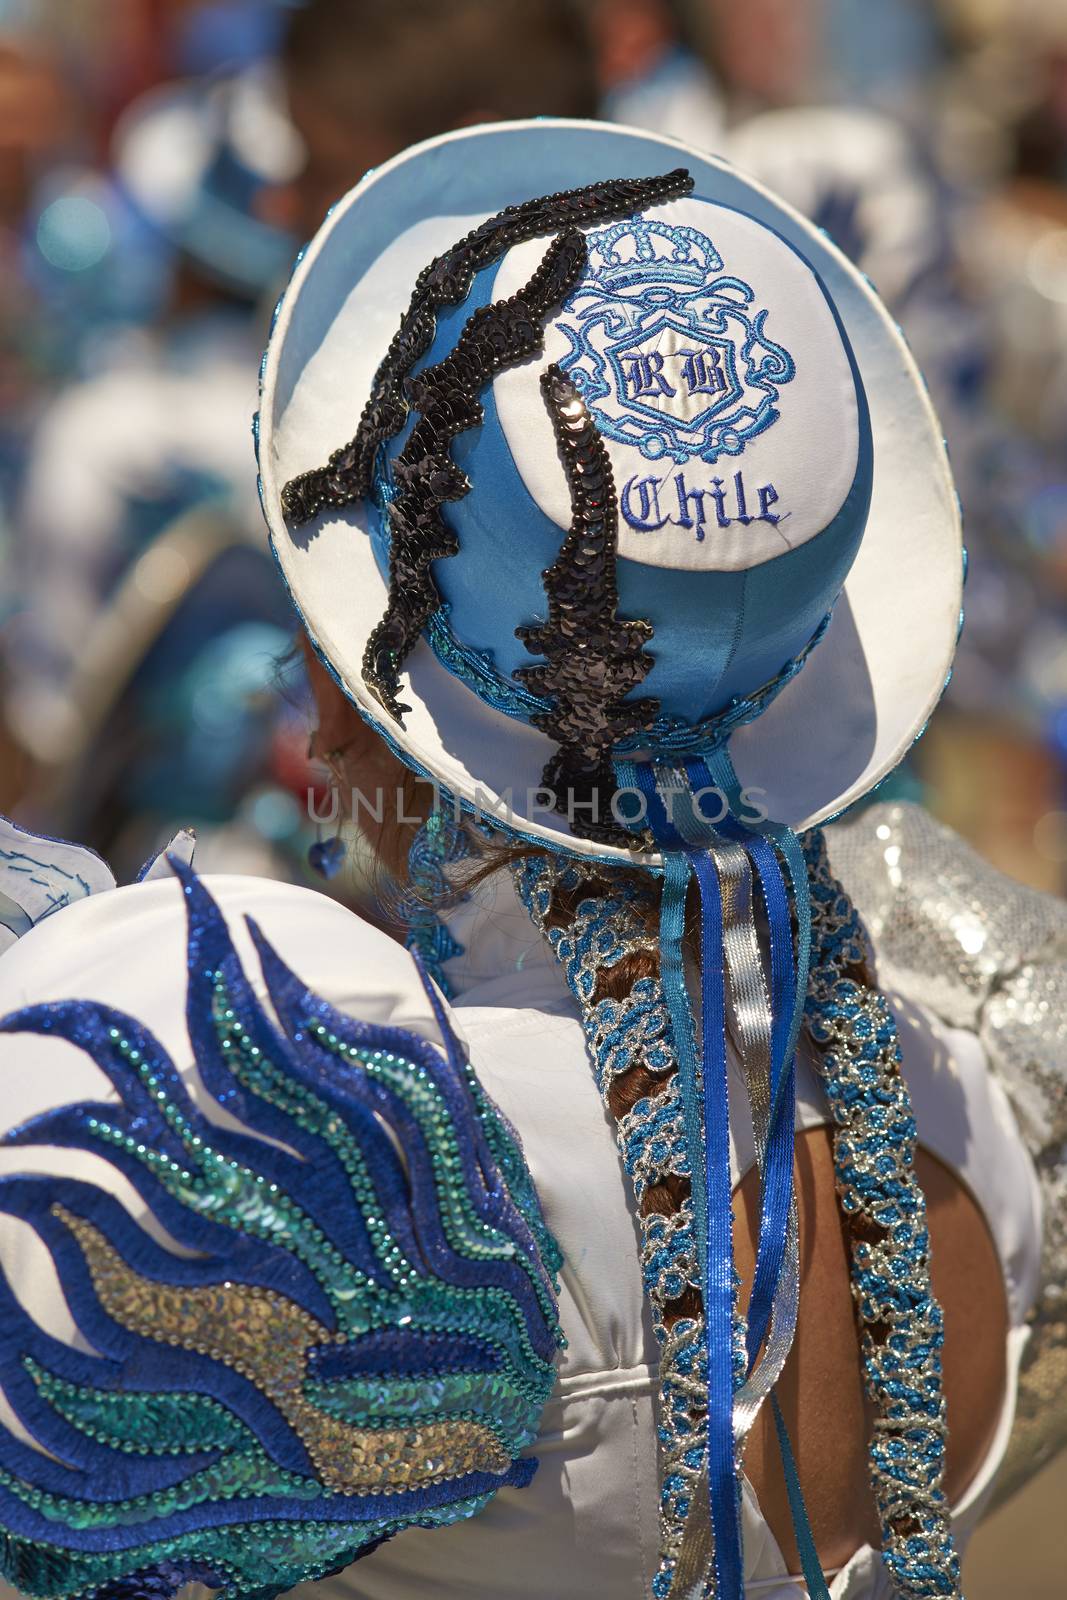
{"points": [[763, 1029], [705, 1084], [746, 979], [725, 859]]}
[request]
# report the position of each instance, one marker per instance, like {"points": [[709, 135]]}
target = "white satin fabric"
{"points": [[586, 1529]]}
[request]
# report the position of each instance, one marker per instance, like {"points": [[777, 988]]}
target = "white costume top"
{"points": [[586, 1529]]}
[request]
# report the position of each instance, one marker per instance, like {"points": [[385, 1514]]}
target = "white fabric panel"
{"points": [[808, 454]]}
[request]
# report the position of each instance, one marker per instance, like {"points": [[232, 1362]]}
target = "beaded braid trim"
{"points": [[901, 1324], [594, 656], [439, 844], [446, 282], [446, 399], [612, 921], [858, 1056]]}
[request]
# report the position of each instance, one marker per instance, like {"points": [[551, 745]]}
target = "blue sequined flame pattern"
{"points": [[357, 1336]]}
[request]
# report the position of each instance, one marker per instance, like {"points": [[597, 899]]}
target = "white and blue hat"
{"points": [[194, 157], [691, 453]]}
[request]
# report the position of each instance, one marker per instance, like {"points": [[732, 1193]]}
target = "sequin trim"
{"points": [[361, 1337], [986, 954], [447, 282], [900, 1321], [592, 919], [594, 657], [440, 843]]}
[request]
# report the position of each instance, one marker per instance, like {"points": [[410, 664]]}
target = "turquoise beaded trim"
{"points": [[901, 1324]]}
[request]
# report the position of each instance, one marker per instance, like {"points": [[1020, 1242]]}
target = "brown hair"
{"points": [[416, 67]]}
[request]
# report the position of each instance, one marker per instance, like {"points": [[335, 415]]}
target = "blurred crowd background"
{"points": [[161, 161]]}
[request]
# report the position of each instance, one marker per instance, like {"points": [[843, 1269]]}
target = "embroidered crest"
{"points": [[668, 349]]}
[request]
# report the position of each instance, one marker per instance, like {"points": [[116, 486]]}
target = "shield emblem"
{"points": [[669, 350]]}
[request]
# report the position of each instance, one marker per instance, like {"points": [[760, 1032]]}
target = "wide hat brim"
{"points": [[866, 691]]}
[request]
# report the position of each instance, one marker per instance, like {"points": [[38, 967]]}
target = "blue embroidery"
{"points": [[900, 1320], [439, 842], [359, 1337], [689, 507], [668, 350], [477, 670]]}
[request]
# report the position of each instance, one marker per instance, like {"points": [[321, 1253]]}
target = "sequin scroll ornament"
{"points": [[594, 657], [360, 1332], [446, 282], [445, 398]]}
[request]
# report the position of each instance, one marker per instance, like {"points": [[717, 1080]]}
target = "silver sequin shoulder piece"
{"points": [[985, 953]]}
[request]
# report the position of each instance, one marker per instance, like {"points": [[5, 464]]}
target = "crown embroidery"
{"points": [[668, 349]]}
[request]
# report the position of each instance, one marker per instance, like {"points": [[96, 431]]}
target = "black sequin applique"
{"points": [[446, 281], [593, 656], [446, 400]]}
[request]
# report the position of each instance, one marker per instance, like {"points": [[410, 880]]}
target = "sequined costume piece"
{"points": [[594, 657], [440, 843], [667, 738], [446, 282], [594, 921], [445, 399], [884, 1210], [358, 1337], [984, 953]]}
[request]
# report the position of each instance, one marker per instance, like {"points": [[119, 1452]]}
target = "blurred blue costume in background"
{"points": [[144, 657]]}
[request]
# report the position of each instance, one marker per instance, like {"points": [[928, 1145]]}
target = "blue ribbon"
{"points": [[789, 982], [719, 1293], [777, 1178], [704, 1095], [717, 772], [676, 870], [709, 1156], [783, 1093], [811, 1567]]}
